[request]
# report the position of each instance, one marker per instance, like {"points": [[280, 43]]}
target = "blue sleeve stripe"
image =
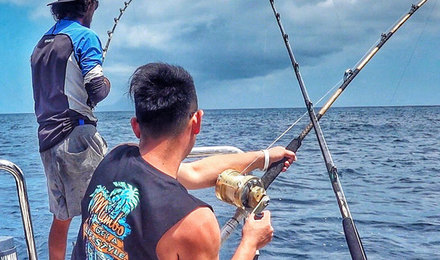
{"points": [[90, 53], [86, 44]]}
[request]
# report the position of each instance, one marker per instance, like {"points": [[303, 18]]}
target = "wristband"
{"points": [[266, 160]]}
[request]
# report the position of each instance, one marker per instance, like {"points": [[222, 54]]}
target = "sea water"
{"points": [[388, 160]]}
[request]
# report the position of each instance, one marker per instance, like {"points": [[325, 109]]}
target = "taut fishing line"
{"points": [[422, 31], [293, 125]]}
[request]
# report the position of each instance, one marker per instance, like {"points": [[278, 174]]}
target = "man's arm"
{"points": [[197, 236], [203, 173], [97, 89], [90, 56], [256, 234]]}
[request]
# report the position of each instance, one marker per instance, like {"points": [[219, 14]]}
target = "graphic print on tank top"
{"points": [[105, 229]]}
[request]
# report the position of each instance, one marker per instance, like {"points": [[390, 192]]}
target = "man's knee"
{"points": [[61, 224]]}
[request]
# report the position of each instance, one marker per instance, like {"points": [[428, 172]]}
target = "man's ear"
{"points": [[135, 127], [197, 122]]}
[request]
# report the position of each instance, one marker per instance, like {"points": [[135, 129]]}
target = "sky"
{"points": [[235, 52]]}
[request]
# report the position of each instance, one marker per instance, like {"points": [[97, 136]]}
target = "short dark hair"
{"points": [[164, 96], [75, 9]]}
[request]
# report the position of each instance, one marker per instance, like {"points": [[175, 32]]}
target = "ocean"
{"points": [[388, 160]]}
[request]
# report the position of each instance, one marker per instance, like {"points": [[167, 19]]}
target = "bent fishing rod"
{"points": [[351, 234], [275, 169], [112, 31]]}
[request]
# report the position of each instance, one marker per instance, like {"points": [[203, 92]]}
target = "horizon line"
{"points": [[251, 108]]}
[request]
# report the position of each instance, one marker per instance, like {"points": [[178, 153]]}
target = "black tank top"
{"points": [[127, 208]]}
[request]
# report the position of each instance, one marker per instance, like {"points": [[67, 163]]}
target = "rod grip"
{"points": [[276, 167], [353, 240], [232, 224]]}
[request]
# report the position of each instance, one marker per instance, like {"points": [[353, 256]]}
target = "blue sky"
{"points": [[235, 52]]}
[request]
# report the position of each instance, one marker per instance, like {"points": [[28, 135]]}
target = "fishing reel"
{"points": [[242, 191]]}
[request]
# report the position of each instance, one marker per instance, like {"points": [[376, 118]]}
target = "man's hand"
{"points": [[278, 153], [258, 232]]}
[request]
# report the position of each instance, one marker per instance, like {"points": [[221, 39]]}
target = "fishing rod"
{"points": [[112, 31], [351, 234], [275, 169]]}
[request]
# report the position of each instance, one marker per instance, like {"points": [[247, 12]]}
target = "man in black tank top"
{"points": [[137, 205]]}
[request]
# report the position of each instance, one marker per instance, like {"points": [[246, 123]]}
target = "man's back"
{"points": [[62, 59], [130, 206]]}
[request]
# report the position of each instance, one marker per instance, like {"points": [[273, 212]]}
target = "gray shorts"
{"points": [[69, 166]]}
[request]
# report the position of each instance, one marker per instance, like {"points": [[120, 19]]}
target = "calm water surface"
{"points": [[388, 159]]}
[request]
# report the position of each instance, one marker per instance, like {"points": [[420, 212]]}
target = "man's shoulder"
{"points": [[120, 150], [201, 220], [199, 224], [77, 30], [200, 231], [73, 29], [196, 236]]}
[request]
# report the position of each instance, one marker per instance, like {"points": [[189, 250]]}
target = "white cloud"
{"points": [[119, 69], [40, 12], [136, 36], [237, 43], [15, 2]]}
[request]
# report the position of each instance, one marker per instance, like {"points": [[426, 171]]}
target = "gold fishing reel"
{"points": [[243, 191]]}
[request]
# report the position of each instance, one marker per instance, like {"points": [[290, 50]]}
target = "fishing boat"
{"points": [[351, 233]]}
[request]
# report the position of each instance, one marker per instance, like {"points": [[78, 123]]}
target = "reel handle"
{"points": [[258, 210]]}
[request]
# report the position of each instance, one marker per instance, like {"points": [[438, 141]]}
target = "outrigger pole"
{"points": [[275, 169], [351, 234]]}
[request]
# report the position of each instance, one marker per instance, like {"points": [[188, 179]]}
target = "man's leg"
{"points": [[69, 167], [58, 238]]}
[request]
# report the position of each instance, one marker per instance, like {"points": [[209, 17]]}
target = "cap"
{"points": [[61, 1]]}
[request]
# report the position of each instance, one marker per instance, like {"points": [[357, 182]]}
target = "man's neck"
{"points": [[164, 155]]}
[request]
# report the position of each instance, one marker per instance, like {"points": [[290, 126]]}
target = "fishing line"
{"points": [[399, 83], [292, 125], [111, 32], [303, 115], [351, 234], [275, 168]]}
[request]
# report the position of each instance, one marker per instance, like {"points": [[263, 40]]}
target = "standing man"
{"points": [[68, 82], [137, 205]]}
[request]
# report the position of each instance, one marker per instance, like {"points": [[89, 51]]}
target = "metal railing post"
{"points": [[24, 205]]}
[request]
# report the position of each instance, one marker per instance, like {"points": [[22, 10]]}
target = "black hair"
{"points": [[164, 96], [75, 9]]}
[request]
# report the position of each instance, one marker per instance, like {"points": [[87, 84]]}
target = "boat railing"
{"points": [[15, 171], [204, 151]]}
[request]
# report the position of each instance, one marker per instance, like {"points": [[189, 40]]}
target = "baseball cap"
{"points": [[61, 1]]}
